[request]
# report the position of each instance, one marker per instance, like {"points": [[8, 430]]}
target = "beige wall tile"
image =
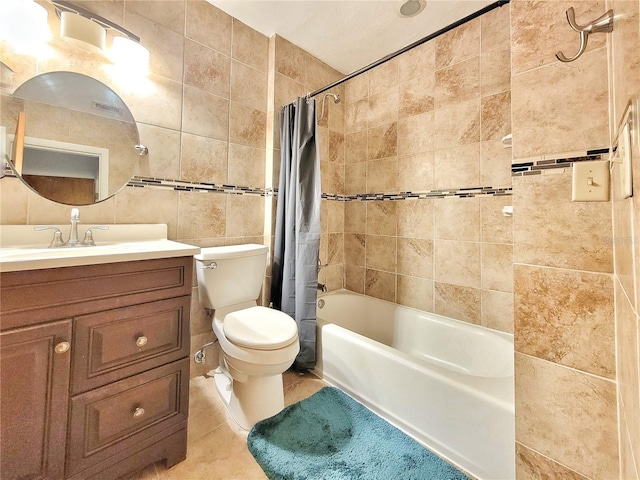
{"points": [[246, 166], [455, 301], [457, 219], [458, 166], [163, 160], [355, 147], [145, 205], [530, 49], [415, 218], [335, 214], [496, 116], [381, 218], [13, 201], [415, 292], [332, 177], [497, 310], [170, 14], [495, 164], [200, 322], [204, 159], [415, 134], [382, 141], [357, 88], [354, 278], [167, 45], [417, 62], [415, 257], [496, 227], [415, 172], [201, 216], [383, 77], [383, 107], [290, 60], [540, 109], [555, 403], [457, 263], [495, 71], [356, 115], [208, 25], [531, 465], [565, 317], [457, 125], [381, 253], [249, 46], [248, 86], [355, 178], [354, 249], [245, 215], [382, 175], [336, 147], [457, 83], [416, 95], [497, 267], [622, 236], [628, 367], [495, 28], [570, 235], [161, 105], [458, 44], [335, 247], [380, 285], [205, 114], [286, 91], [355, 214], [247, 126]]}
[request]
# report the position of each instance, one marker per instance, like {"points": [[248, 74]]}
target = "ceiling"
{"points": [[347, 34]]}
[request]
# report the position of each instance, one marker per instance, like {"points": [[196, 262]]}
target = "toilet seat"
{"points": [[260, 328]]}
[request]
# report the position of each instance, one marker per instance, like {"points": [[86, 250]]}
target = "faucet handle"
{"points": [[57, 236], [88, 234]]}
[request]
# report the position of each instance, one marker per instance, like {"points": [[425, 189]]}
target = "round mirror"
{"points": [[70, 138]]}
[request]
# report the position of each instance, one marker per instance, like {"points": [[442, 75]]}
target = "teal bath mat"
{"points": [[330, 436]]}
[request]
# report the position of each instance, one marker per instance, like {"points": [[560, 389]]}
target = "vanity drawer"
{"points": [[118, 343], [120, 416]]}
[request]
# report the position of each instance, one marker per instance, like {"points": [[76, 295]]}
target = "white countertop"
{"points": [[21, 248]]}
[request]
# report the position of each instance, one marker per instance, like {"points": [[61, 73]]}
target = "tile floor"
{"points": [[217, 447]]}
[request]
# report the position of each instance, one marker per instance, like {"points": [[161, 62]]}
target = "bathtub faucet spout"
{"points": [[322, 287]]}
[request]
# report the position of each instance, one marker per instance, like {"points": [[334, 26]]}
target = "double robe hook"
{"points": [[603, 23]]}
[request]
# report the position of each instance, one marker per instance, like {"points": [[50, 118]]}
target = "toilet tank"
{"points": [[230, 275]]}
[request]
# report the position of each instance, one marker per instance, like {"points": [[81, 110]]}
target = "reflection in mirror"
{"points": [[70, 138]]}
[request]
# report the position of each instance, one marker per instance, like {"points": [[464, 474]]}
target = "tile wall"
{"points": [[202, 113], [564, 325], [433, 119], [624, 78]]}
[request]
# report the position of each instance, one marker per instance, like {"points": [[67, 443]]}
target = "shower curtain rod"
{"points": [[466, 19]]}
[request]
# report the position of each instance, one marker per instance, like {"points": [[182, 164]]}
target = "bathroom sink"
{"points": [[20, 249]]}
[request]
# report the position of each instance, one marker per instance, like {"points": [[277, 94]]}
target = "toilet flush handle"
{"points": [[212, 266]]}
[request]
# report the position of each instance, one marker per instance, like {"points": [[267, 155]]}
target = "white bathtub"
{"points": [[446, 383]]}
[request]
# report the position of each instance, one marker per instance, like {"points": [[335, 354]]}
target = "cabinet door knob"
{"points": [[138, 412], [62, 347], [141, 341]]}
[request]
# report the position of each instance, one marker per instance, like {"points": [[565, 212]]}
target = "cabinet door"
{"points": [[34, 397]]}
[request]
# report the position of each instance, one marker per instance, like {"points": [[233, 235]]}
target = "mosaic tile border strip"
{"points": [[537, 166], [422, 194], [203, 187]]}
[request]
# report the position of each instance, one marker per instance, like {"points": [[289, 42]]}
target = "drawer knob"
{"points": [[141, 341], [62, 347], [138, 412]]}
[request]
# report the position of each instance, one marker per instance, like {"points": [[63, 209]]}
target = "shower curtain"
{"points": [[297, 236]]}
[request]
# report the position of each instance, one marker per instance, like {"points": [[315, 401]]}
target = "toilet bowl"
{"points": [[257, 344]]}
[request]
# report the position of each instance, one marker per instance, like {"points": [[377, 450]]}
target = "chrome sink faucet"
{"points": [[73, 236]]}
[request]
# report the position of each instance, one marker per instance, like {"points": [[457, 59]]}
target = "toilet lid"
{"points": [[260, 328]]}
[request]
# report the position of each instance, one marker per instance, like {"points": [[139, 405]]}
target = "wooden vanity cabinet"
{"points": [[94, 368]]}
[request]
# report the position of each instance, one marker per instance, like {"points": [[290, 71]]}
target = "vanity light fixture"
{"points": [[88, 30], [23, 24]]}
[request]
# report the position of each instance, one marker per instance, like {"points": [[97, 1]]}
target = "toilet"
{"points": [[257, 344]]}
